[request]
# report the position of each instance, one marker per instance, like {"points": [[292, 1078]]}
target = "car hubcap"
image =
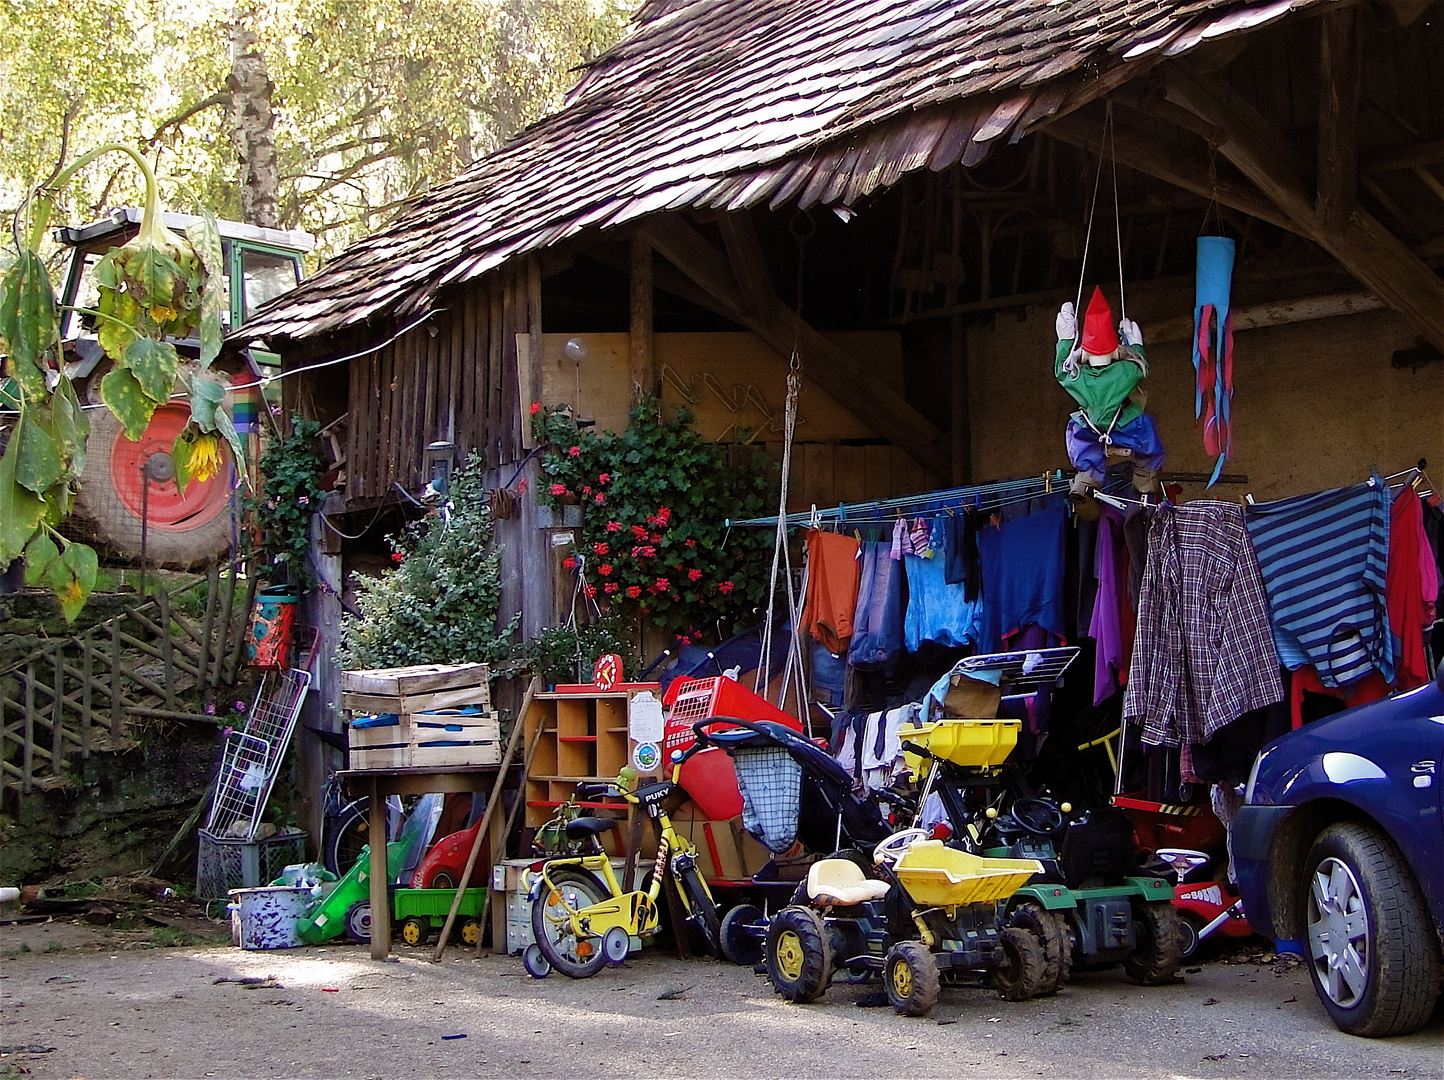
{"points": [[1338, 933], [789, 955], [902, 980]]}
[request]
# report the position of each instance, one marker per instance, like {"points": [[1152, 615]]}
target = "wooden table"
{"points": [[381, 783]]}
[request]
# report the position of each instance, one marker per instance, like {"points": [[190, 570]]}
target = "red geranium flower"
{"points": [[691, 543], [591, 591], [614, 526], [605, 478], [633, 591], [600, 498], [605, 569], [396, 557], [586, 489], [569, 562], [726, 587], [575, 451], [610, 587], [521, 487], [663, 514], [535, 407], [693, 574], [639, 532], [601, 549], [656, 538], [559, 489], [662, 584]]}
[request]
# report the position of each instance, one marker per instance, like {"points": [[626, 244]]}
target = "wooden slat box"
{"points": [[424, 740], [416, 689]]}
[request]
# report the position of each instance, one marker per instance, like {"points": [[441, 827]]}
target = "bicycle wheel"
{"points": [[704, 910], [574, 957], [346, 835]]}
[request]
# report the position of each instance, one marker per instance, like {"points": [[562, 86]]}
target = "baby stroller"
{"points": [[793, 792]]}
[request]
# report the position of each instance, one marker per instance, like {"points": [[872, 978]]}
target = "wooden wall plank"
{"points": [[907, 474], [513, 314], [877, 472], [461, 353], [494, 365], [849, 481], [817, 474], [387, 357], [431, 348]]}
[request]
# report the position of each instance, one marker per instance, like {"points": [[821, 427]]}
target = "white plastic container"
{"points": [[265, 918]]}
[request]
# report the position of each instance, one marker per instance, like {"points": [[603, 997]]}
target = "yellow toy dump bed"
{"points": [[971, 743], [945, 877]]}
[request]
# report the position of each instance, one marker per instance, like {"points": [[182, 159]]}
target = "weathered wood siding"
{"points": [[452, 378]]}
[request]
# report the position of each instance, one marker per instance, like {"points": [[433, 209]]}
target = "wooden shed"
{"points": [[915, 176]]}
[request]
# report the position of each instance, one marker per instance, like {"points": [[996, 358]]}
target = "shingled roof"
{"points": [[732, 103]]}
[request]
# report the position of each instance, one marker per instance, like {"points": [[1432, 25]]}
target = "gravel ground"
{"points": [[91, 1007]]}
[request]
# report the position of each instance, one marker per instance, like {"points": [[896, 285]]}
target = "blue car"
{"points": [[1339, 852]]}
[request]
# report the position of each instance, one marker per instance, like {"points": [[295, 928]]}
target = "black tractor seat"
{"points": [[583, 827]]}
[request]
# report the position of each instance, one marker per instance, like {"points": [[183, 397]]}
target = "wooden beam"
{"points": [[1170, 163], [1399, 158], [1340, 82], [1273, 313], [1373, 255], [847, 378], [641, 366]]}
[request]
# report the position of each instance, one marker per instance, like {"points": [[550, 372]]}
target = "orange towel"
{"points": [[833, 576]]}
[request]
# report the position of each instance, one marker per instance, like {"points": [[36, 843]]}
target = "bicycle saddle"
{"points": [[583, 827]]}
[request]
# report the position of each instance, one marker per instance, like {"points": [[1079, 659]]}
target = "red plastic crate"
{"points": [[690, 700]]}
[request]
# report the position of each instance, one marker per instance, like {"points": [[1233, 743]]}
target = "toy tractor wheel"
{"points": [[797, 954], [739, 944], [1189, 926], [358, 922], [1051, 930], [1021, 975], [1159, 954], [415, 931], [471, 932], [910, 973]]}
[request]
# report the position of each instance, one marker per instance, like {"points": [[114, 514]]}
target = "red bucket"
{"points": [[268, 644]]}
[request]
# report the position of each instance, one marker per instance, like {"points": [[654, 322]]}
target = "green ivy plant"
{"points": [[158, 286], [439, 604], [568, 654], [290, 494], [654, 545]]}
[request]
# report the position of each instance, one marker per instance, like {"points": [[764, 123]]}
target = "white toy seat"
{"points": [[841, 883]]}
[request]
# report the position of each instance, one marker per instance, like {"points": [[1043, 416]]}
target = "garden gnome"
{"points": [[1101, 369]]}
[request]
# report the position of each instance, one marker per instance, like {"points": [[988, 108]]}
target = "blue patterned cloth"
{"points": [[1323, 559]]}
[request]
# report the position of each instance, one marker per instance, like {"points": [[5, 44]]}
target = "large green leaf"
{"points": [[37, 461], [205, 237], [154, 365], [151, 276], [206, 398], [180, 454], [39, 554], [117, 332], [29, 321], [228, 430], [20, 510], [125, 398], [69, 425], [80, 564]]}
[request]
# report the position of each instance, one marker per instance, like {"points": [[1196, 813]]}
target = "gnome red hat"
{"points": [[1100, 336]]}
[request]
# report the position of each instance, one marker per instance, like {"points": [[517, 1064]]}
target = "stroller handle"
{"points": [[699, 729]]}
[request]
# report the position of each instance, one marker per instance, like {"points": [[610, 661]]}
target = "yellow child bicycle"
{"points": [[581, 917]]}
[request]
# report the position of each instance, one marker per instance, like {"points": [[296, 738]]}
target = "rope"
{"points": [[1117, 219]]}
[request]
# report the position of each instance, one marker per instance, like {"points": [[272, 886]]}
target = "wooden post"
{"points": [[1340, 82], [641, 366], [380, 911], [28, 749], [162, 601], [87, 668], [962, 431], [511, 744], [57, 712]]}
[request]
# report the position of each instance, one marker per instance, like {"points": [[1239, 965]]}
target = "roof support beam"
{"points": [[843, 376], [641, 366], [1377, 258], [1340, 82]]}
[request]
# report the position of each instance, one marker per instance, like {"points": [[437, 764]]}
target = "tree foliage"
{"points": [[378, 99]]}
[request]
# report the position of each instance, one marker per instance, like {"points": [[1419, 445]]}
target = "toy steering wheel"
{"points": [[891, 849], [1041, 817]]}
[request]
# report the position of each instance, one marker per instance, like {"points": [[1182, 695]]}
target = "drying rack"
{"points": [[1027, 667], [252, 756]]}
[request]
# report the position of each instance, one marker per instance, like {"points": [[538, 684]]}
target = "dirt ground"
{"points": [[86, 1002]]}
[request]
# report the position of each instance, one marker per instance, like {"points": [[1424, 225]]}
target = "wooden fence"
{"points": [[87, 692]]}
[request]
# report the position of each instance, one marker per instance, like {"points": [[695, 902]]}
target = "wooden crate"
{"points": [[427, 740], [423, 688]]}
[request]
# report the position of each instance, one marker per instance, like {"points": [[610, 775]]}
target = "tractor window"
{"points": [[87, 295], [267, 275]]}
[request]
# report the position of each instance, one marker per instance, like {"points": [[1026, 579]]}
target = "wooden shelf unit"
{"points": [[584, 737]]}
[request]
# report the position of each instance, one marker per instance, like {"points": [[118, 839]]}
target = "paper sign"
{"points": [[644, 718]]}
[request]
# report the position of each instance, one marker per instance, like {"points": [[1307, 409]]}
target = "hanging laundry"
{"points": [[1204, 654], [832, 579], [1022, 564], [1404, 589], [1323, 559], [901, 540], [937, 611], [1213, 348], [877, 635], [920, 533], [1104, 627]]}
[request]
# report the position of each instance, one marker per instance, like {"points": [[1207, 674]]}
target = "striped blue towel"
{"points": [[1323, 559]]}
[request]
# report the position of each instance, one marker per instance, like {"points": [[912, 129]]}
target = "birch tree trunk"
{"points": [[252, 126]]}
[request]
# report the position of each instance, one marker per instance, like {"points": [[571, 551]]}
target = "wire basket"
{"points": [[223, 864], [252, 756]]}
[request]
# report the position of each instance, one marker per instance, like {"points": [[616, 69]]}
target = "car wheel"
{"points": [[1372, 951]]}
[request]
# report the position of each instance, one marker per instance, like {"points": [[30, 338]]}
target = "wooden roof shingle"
{"points": [[732, 103]]}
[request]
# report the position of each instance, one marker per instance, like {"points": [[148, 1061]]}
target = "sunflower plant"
{"points": [[159, 286]]}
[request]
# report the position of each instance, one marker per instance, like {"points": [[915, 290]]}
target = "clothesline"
{"points": [[885, 511]]}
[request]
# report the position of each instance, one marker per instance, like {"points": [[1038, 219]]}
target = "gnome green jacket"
{"points": [[1100, 391]]}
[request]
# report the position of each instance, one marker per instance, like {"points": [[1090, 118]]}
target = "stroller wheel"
{"points": [[741, 935]]}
